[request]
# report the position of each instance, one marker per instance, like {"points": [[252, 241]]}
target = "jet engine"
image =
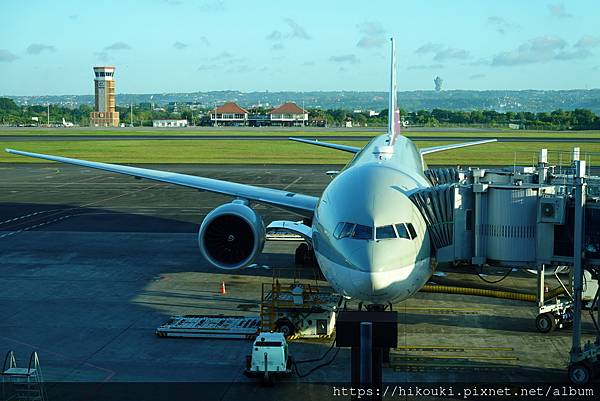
{"points": [[231, 236]]}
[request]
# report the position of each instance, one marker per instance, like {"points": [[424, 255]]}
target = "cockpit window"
{"points": [[402, 231], [362, 232], [351, 230], [338, 230], [411, 230], [358, 231], [344, 230], [385, 232]]}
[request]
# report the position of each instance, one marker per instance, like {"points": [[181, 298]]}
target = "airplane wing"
{"points": [[433, 149], [303, 205], [345, 148]]}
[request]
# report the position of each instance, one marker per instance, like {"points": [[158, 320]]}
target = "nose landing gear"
{"points": [[305, 255]]}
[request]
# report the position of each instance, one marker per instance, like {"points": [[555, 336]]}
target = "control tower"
{"points": [[104, 114]]}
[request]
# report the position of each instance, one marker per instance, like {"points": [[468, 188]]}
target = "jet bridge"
{"points": [[540, 217]]}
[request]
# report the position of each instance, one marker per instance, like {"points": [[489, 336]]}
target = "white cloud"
{"points": [[296, 30], [118, 46], [103, 56], [207, 67], [213, 6], [501, 24], [442, 52], [429, 48], [275, 35], [451, 53], [345, 58], [539, 50], [588, 42], [425, 67], [6, 56], [373, 35], [558, 10], [371, 42], [37, 48]]}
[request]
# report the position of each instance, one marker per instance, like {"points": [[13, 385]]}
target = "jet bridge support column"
{"points": [[577, 254], [541, 284], [478, 189], [582, 361]]}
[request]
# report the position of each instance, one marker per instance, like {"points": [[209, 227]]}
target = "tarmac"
{"points": [[92, 263]]}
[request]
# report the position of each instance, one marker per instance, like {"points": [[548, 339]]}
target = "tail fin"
{"points": [[393, 112], [64, 122]]}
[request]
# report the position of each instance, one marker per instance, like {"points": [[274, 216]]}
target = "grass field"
{"points": [[274, 132], [275, 152]]}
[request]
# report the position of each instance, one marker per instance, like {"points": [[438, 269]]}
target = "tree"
{"points": [[187, 114], [583, 118], [8, 104], [360, 119]]}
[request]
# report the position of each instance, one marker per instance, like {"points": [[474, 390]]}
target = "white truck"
{"points": [[269, 357]]}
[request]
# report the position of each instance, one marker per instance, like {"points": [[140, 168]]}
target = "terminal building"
{"points": [[104, 114], [229, 114], [288, 114]]}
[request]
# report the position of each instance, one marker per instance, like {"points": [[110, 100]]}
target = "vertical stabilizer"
{"points": [[393, 112]]}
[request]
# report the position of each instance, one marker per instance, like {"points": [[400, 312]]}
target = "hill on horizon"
{"points": [[499, 100]]}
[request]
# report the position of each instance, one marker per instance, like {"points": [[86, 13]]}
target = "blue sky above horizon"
{"points": [[157, 46]]}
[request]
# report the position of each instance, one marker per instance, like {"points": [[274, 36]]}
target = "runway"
{"points": [[93, 262]]}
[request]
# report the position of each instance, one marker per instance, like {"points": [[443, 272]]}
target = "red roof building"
{"points": [[229, 114], [288, 114]]}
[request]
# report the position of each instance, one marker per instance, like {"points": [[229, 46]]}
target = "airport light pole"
{"points": [[131, 114]]}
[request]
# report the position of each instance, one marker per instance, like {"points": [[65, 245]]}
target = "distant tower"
{"points": [[104, 114], [438, 83]]}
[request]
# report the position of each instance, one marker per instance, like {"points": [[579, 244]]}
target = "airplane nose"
{"points": [[362, 257], [374, 256], [367, 259]]}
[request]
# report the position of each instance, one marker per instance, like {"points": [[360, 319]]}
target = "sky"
{"points": [[166, 46]]}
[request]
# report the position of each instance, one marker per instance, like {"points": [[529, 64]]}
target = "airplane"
{"points": [[67, 124], [370, 241]]}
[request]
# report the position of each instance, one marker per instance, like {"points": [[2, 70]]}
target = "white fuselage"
{"points": [[385, 257]]}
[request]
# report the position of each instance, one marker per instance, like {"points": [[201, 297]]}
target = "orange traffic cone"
{"points": [[223, 288]]}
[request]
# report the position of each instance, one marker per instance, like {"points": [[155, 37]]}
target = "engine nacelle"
{"points": [[231, 236]]}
